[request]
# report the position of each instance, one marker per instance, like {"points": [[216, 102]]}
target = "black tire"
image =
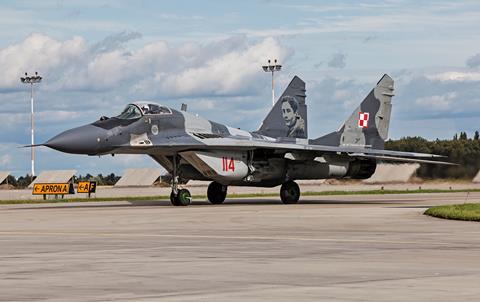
{"points": [[290, 192], [183, 198], [173, 199], [216, 193]]}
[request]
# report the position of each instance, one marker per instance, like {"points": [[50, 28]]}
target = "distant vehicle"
{"points": [[279, 153]]}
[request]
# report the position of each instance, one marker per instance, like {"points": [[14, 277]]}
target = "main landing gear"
{"points": [[290, 192], [178, 197], [216, 193]]}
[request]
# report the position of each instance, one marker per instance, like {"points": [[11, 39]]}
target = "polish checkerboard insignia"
{"points": [[363, 119]]}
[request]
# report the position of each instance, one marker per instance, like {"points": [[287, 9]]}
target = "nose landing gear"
{"points": [[182, 198], [178, 197]]}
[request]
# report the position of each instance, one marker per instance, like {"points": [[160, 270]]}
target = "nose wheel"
{"points": [[290, 192], [178, 197], [216, 193], [182, 198]]}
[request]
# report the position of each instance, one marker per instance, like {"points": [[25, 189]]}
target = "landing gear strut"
{"points": [[216, 193], [178, 197], [290, 192]]}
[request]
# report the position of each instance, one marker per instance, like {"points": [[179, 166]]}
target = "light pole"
{"points": [[32, 80], [272, 68]]}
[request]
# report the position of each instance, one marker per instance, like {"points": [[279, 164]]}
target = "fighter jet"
{"points": [[190, 147]]}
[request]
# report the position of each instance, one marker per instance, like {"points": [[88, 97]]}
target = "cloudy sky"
{"points": [[97, 56]]}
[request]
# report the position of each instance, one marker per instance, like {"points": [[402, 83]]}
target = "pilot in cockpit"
{"points": [[145, 109]]}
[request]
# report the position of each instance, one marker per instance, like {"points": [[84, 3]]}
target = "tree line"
{"points": [[460, 149]]}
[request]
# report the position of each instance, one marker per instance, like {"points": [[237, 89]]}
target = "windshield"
{"points": [[130, 112]]}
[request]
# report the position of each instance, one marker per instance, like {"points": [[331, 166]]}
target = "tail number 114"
{"points": [[228, 164]]}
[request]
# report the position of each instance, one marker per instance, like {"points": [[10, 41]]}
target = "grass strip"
{"points": [[251, 195], [466, 211]]}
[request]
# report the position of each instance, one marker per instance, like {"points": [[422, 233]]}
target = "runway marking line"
{"points": [[220, 237]]}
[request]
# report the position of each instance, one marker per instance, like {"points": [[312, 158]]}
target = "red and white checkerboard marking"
{"points": [[363, 119]]}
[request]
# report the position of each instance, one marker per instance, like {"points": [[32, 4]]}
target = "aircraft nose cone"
{"points": [[82, 140]]}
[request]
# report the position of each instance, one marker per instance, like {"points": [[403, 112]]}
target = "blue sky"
{"points": [[96, 56]]}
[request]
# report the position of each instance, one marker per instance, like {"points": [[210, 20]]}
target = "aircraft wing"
{"points": [[319, 150], [232, 144]]}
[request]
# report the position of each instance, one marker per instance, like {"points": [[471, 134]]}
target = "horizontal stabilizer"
{"points": [[404, 159]]}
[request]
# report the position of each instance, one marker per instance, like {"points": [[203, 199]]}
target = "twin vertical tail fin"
{"points": [[368, 125], [288, 117]]}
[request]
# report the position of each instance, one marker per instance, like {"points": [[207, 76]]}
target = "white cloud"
{"points": [[41, 53], [226, 67], [437, 102], [231, 73], [455, 76]]}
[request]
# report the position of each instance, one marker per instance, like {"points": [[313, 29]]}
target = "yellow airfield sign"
{"points": [[87, 187], [53, 189]]}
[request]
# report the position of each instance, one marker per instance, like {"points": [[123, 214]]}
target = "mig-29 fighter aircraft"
{"points": [[190, 147]]}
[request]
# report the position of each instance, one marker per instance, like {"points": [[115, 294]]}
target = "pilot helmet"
{"points": [[145, 108]]}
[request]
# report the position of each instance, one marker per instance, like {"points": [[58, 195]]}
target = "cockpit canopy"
{"points": [[130, 112], [134, 111]]}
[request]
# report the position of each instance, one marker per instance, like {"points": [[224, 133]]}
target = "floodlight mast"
{"points": [[32, 80], [272, 68]]}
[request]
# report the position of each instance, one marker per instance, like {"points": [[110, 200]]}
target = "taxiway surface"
{"points": [[343, 248]]}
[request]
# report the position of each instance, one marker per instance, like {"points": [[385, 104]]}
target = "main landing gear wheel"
{"points": [[182, 198], [290, 192], [216, 193]]}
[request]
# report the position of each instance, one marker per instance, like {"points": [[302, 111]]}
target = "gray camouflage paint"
{"points": [[163, 135], [378, 105], [175, 130]]}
